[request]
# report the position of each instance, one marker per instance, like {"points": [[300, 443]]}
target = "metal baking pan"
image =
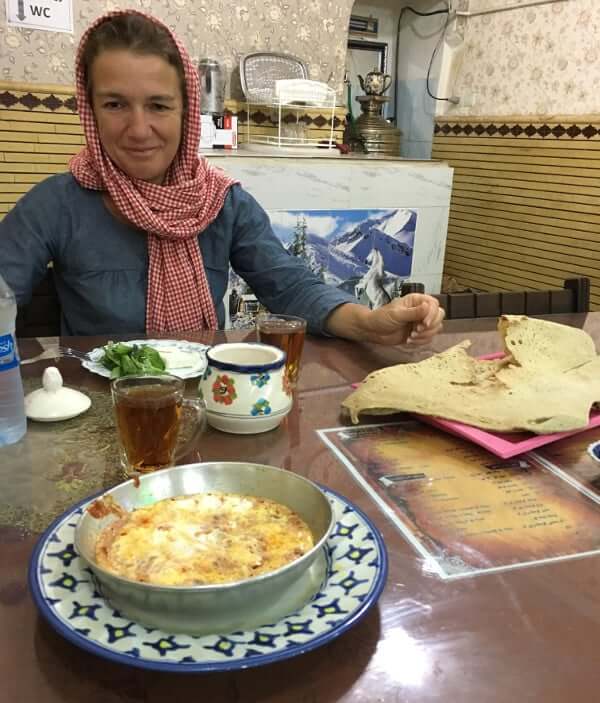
{"points": [[200, 610]]}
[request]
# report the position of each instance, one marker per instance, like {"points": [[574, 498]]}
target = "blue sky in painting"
{"points": [[322, 223]]}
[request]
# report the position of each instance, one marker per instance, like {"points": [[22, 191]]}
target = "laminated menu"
{"points": [[466, 511]]}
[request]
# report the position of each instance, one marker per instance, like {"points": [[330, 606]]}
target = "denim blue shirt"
{"points": [[101, 264]]}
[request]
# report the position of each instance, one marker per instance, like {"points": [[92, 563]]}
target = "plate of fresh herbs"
{"points": [[177, 357]]}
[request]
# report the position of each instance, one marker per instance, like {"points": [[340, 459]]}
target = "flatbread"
{"points": [[543, 345], [547, 382]]}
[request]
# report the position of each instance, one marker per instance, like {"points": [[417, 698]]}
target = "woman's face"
{"points": [[137, 102]]}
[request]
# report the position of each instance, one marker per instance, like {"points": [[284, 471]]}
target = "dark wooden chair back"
{"points": [[41, 316], [573, 297]]}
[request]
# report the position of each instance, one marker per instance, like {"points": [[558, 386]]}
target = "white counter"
{"points": [[354, 182]]}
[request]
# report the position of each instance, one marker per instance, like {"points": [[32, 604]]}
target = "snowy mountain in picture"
{"points": [[399, 224], [392, 234], [336, 266], [347, 248]]}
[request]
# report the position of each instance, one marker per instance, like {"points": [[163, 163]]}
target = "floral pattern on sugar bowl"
{"points": [[223, 390], [261, 407], [260, 379], [245, 380]]}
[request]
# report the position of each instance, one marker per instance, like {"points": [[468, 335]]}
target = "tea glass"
{"points": [[286, 332], [150, 419]]}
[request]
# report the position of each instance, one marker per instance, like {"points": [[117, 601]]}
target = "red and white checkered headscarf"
{"points": [[172, 214]]}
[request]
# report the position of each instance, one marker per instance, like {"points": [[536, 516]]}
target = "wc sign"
{"points": [[50, 15]]}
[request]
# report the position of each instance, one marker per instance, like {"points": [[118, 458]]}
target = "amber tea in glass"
{"points": [[148, 417], [285, 332]]}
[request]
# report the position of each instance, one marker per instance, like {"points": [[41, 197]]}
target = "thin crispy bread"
{"points": [[547, 382]]}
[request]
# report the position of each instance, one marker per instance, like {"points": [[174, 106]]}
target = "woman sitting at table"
{"points": [[141, 231]]}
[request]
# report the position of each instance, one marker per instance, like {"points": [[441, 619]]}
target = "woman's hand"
{"points": [[411, 319]]}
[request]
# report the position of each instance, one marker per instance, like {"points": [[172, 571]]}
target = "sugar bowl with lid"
{"points": [[245, 387]]}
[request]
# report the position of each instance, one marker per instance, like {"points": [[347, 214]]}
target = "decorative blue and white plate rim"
{"points": [[182, 345], [64, 591]]}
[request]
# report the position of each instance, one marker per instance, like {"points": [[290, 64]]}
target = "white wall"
{"points": [[541, 59], [415, 110]]}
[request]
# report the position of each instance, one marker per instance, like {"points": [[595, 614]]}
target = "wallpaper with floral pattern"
{"points": [[314, 30], [542, 59]]}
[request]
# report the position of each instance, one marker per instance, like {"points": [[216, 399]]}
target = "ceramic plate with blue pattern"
{"points": [[63, 589]]}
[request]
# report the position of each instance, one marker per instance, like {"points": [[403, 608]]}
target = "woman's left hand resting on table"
{"points": [[412, 319]]}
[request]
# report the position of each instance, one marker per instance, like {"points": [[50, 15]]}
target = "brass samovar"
{"points": [[378, 136]]}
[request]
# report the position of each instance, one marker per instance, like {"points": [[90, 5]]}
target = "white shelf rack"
{"points": [[295, 100]]}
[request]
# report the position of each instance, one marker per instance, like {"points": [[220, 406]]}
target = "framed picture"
{"points": [[363, 57], [367, 253]]}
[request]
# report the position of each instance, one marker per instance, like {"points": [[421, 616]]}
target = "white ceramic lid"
{"points": [[55, 402]]}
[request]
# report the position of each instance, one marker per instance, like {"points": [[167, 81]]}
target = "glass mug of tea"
{"points": [[286, 332], [150, 420]]}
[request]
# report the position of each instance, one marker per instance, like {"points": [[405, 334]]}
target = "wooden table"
{"points": [[526, 635]]}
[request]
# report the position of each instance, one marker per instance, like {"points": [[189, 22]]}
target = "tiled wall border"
{"points": [[565, 128], [31, 101], [62, 99]]}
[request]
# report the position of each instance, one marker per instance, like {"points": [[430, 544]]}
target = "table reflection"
{"points": [[495, 637]]}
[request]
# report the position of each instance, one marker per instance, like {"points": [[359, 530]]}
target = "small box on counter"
{"points": [[218, 132]]}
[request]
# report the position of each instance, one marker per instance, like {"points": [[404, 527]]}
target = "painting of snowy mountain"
{"points": [[368, 253]]}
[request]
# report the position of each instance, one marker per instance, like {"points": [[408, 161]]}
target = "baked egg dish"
{"points": [[203, 539]]}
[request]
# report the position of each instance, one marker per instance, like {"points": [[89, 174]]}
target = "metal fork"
{"points": [[75, 353], [55, 352]]}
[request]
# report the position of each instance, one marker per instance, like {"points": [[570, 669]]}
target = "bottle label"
{"points": [[8, 353]]}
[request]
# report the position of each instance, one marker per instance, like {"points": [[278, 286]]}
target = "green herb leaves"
{"points": [[126, 359]]}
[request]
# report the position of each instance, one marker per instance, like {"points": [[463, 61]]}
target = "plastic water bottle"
{"points": [[13, 422]]}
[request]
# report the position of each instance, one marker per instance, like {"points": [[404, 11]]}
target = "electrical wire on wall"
{"points": [[446, 12], [453, 100], [505, 8]]}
